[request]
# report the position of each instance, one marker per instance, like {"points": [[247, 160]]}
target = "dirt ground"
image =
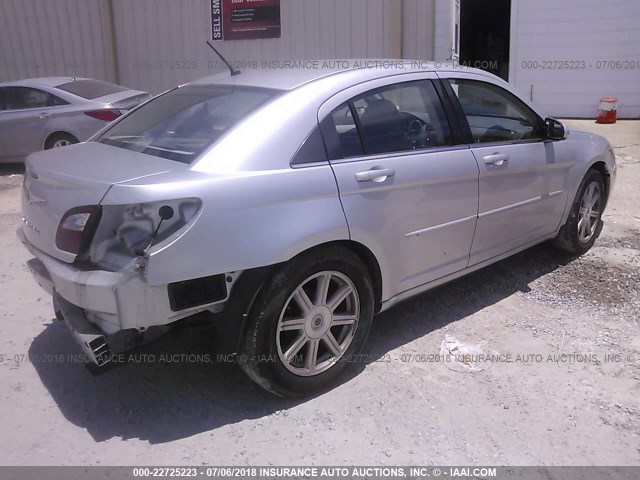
{"points": [[563, 386]]}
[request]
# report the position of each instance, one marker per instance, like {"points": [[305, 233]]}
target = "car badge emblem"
{"points": [[30, 226]]}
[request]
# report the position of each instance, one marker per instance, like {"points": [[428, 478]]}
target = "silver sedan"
{"points": [[289, 207], [44, 113]]}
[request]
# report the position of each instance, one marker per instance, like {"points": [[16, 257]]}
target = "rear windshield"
{"points": [[91, 89], [182, 124]]}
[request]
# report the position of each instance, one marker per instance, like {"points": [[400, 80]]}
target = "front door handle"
{"points": [[375, 175], [497, 159]]}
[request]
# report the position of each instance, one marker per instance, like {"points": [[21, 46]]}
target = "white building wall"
{"points": [[52, 37], [443, 29], [418, 21], [161, 43], [577, 30]]}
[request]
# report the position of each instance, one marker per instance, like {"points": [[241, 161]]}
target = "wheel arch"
{"points": [[601, 167], [370, 261], [578, 173], [58, 132], [232, 320], [365, 255]]}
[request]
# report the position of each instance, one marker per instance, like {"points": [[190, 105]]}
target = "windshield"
{"points": [[91, 89], [183, 123]]}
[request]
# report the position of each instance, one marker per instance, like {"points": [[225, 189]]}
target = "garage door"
{"points": [[566, 55]]}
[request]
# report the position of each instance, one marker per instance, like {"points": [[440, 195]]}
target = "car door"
{"points": [[407, 193], [521, 186], [23, 124]]}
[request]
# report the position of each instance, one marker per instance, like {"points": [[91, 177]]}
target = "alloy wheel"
{"points": [[61, 143], [318, 323], [589, 213]]}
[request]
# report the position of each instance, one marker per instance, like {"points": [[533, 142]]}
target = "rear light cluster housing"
{"points": [[76, 229], [127, 232], [105, 114], [111, 236]]}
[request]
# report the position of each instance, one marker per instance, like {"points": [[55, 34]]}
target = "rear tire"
{"points": [[308, 322], [58, 140], [584, 224]]}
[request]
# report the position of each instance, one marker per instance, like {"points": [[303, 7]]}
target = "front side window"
{"points": [[23, 98], [494, 114], [183, 123], [3, 99], [402, 117]]}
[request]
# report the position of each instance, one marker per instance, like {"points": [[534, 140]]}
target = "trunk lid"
{"points": [[57, 180]]}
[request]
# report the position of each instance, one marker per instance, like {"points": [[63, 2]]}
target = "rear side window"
{"points": [[348, 133], [494, 114], [312, 150], [3, 98], [182, 124], [396, 118], [56, 101], [91, 89]]}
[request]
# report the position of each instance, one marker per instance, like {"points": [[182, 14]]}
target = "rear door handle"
{"points": [[44, 115], [497, 159], [374, 175]]}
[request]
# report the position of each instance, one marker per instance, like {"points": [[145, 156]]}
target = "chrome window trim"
{"points": [[347, 94], [405, 153]]}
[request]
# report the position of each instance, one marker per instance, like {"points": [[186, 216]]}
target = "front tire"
{"points": [[308, 322], [584, 224]]}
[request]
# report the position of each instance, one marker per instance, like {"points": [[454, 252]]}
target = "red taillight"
{"points": [[106, 115], [76, 229]]}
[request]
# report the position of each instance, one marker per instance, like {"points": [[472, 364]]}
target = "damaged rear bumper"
{"points": [[112, 312], [99, 341]]}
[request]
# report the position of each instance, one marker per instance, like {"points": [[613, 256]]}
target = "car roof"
{"points": [[290, 74], [42, 82], [286, 78]]}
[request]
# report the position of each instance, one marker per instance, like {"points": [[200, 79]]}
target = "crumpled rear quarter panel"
{"points": [[248, 220]]}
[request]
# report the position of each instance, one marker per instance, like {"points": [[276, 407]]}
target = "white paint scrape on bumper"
{"points": [[112, 301]]}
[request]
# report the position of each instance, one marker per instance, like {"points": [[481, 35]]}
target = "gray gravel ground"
{"points": [[564, 389]]}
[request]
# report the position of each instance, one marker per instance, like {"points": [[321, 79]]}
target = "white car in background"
{"points": [[43, 113]]}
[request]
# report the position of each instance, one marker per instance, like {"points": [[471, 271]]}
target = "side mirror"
{"points": [[555, 130]]}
